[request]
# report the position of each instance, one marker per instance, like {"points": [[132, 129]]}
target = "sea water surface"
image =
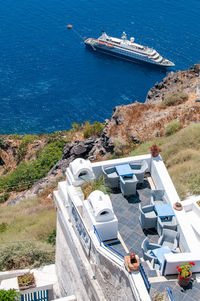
{"points": [[47, 77]]}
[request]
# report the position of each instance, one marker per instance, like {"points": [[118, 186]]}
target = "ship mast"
{"points": [[124, 37]]}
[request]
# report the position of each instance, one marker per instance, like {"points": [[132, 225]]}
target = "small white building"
{"points": [[79, 171], [100, 213]]}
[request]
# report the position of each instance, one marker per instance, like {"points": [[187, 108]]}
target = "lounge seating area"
{"points": [[155, 215], [160, 216], [125, 176]]}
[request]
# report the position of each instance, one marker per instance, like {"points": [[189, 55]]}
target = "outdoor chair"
{"points": [[155, 264], [169, 238], [111, 176], [147, 218], [157, 197], [147, 247], [169, 224], [128, 185], [139, 168]]}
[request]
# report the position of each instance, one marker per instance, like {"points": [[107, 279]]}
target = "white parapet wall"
{"points": [[97, 166], [187, 223], [85, 266], [171, 261], [69, 298]]}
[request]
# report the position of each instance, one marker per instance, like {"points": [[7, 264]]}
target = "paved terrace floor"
{"points": [[127, 212]]}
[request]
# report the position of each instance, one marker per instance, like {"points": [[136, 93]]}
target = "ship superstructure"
{"points": [[127, 49]]}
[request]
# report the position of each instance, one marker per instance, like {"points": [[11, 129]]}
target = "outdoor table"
{"points": [[159, 253], [164, 211], [124, 170]]}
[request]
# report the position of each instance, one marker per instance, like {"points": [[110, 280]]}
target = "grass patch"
{"points": [[4, 197], [25, 254], [96, 184], [94, 129], [26, 174], [174, 98], [23, 148], [181, 154], [30, 218], [172, 127]]}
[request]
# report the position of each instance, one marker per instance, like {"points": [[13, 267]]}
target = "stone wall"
{"points": [[94, 277]]}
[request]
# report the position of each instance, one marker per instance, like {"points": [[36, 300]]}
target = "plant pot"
{"points": [[155, 154], [184, 281], [179, 208], [26, 281]]}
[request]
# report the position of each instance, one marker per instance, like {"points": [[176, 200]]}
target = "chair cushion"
{"points": [[150, 214], [169, 244], [113, 175]]}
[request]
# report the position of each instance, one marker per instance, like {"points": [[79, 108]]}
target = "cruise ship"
{"points": [[127, 49]]}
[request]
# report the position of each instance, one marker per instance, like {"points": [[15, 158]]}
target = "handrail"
{"points": [[170, 293], [145, 278], [101, 241]]}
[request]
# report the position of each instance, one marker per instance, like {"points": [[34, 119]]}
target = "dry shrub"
{"points": [[27, 254], [172, 127], [120, 145], [174, 98], [96, 184]]}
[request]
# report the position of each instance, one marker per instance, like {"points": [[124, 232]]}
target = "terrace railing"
{"points": [[170, 294], [36, 296], [112, 250], [145, 278]]}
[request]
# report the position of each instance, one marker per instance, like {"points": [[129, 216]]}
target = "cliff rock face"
{"points": [[144, 121], [179, 81]]}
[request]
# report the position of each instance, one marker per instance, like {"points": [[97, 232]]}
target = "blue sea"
{"points": [[48, 79]]}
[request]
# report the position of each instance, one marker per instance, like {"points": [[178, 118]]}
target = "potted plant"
{"points": [[198, 203], [178, 206], [185, 273], [155, 150], [26, 281]]}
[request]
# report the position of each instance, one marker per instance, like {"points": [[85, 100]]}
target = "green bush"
{"points": [[172, 127], [23, 148], [2, 141], [96, 184], [119, 146], [26, 254], [4, 197], [26, 174], [51, 239], [75, 126], [10, 295], [94, 129], [174, 98], [3, 227]]}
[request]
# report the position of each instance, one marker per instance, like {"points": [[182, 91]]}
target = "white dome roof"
{"points": [[101, 206]]}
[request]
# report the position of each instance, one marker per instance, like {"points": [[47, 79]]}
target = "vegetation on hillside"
{"points": [[27, 173], [27, 233], [172, 127], [181, 154], [174, 98], [96, 184]]}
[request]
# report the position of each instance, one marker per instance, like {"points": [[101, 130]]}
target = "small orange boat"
{"points": [[102, 43], [69, 26]]}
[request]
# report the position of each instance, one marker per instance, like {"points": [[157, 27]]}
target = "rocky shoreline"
{"points": [[128, 125]]}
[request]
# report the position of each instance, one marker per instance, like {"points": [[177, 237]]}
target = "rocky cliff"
{"points": [[128, 125]]}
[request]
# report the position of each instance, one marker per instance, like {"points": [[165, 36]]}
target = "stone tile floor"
{"points": [[191, 293], [127, 212]]}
